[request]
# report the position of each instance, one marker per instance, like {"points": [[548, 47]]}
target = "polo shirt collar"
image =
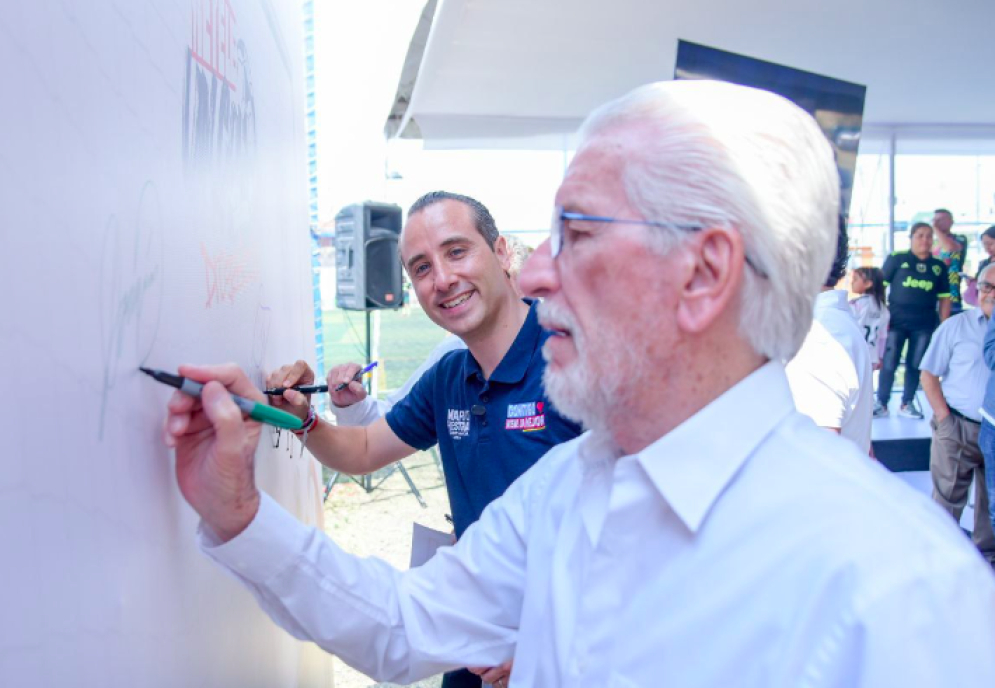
{"points": [[515, 363], [692, 465]]}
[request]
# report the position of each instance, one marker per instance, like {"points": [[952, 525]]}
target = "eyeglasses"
{"points": [[585, 223], [985, 287]]}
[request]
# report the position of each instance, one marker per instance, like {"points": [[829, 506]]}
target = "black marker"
{"points": [[320, 389], [303, 389]]}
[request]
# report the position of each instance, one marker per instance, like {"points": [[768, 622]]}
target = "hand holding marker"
{"points": [[318, 389], [256, 411]]}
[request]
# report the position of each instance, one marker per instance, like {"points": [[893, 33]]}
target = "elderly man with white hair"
{"points": [[954, 376], [664, 547]]}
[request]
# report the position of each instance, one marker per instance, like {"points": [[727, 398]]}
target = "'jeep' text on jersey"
{"points": [[915, 287]]}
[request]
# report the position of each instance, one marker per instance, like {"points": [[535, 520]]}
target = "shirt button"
{"points": [[485, 398], [484, 422]]}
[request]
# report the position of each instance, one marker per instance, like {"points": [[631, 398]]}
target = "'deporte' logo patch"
{"points": [[526, 417]]}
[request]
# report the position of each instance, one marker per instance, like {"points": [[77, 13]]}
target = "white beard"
{"points": [[589, 389]]}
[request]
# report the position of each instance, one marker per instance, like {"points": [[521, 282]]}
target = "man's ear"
{"points": [[715, 280], [502, 253]]}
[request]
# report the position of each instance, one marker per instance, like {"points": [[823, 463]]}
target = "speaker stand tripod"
{"points": [[366, 481]]}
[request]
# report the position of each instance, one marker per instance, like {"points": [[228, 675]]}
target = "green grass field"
{"points": [[406, 338]]}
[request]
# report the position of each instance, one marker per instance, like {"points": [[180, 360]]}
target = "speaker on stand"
{"points": [[369, 277]]}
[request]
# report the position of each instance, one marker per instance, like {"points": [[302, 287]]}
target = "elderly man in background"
{"points": [[695, 225], [954, 377]]}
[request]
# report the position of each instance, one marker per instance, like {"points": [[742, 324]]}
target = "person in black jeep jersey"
{"points": [[917, 282]]}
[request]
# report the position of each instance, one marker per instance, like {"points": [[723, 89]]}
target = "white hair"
{"points": [[518, 253], [717, 154]]}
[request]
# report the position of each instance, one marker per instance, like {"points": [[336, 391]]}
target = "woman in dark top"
{"points": [[988, 243], [918, 281]]}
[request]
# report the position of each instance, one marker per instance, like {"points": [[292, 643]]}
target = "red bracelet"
{"points": [[309, 422]]}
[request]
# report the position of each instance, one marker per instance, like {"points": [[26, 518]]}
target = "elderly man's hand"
{"points": [[215, 448], [496, 676], [292, 401]]}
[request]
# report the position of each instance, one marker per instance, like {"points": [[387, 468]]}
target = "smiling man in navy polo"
{"points": [[490, 428], [485, 405]]}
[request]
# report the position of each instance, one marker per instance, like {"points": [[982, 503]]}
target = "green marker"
{"points": [[261, 412]]}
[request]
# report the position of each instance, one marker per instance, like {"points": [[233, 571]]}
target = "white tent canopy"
{"points": [[525, 73]]}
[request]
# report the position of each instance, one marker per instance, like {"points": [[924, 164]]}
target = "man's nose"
{"points": [[538, 277], [444, 278]]}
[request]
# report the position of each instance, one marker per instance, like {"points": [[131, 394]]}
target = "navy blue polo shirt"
{"points": [[489, 431]]}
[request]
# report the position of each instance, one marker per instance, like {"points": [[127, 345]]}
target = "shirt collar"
{"points": [[516, 360], [834, 298], [691, 465]]}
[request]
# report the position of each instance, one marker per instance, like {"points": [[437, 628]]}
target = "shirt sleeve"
{"points": [[943, 283], [461, 608], [936, 360], [361, 413], [989, 346], [449, 343], [818, 384], [412, 418], [888, 270]]}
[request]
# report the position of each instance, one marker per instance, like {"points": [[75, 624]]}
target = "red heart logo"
{"points": [[539, 406]]}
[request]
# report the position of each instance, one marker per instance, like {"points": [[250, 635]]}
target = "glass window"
{"points": [[958, 175], [869, 217], [930, 173]]}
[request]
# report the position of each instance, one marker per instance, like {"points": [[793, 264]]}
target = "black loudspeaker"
{"points": [[367, 264]]}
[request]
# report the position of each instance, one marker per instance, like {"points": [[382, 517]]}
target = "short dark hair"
{"points": [[945, 211], [482, 218], [918, 225], [990, 232], [838, 268]]}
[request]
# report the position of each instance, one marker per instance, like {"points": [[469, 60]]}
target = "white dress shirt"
{"points": [[830, 376], [686, 565], [955, 356], [369, 409]]}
